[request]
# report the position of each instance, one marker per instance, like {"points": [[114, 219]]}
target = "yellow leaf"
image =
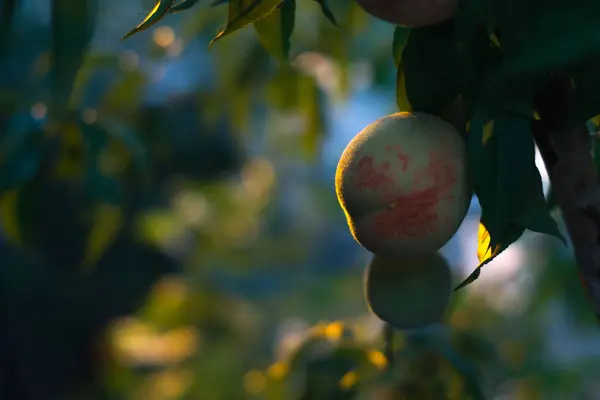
{"points": [[484, 250], [401, 95]]}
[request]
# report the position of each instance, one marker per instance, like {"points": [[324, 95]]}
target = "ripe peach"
{"points": [[408, 294], [411, 13], [402, 182]]}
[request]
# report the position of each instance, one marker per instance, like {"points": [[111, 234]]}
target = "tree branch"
{"points": [[568, 159]]}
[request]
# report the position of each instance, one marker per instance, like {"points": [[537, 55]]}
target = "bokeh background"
{"points": [[177, 235]]}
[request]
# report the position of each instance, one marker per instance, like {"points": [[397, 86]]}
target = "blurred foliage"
{"points": [[161, 249]]}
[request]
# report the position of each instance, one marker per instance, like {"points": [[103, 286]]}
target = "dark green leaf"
{"points": [[401, 35], [182, 6], [327, 12], [244, 12], [275, 30], [99, 186], [131, 141], [586, 81], [161, 9], [430, 66], [73, 24], [533, 43], [466, 368], [8, 9], [517, 176], [20, 151]]}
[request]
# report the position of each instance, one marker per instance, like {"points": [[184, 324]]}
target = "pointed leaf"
{"points": [[401, 35], [275, 30], [161, 9], [73, 24], [430, 66], [401, 96], [327, 12], [488, 250], [106, 224], [182, 6], [244, 12]]}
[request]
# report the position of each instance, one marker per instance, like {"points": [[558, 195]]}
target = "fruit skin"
{"points": [[408, 294], [410, 13], [403, 184]]}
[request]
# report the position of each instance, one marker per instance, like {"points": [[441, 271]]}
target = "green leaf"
{"points": [[467, 369], [275, 30], [401, 95], [20, 151], [105, 196], [99, 186], [131, 142], [244, 12], [161, 9], [182, 6], [430, 64], [73, 24], [8, 9], [532, 43], [506, 181], [327, 12], [586, 80], [401, 35], [488, 248]]}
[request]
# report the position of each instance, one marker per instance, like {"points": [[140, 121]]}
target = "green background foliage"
{"points": [[169, 228]]}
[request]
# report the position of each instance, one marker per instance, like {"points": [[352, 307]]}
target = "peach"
{"points": [[410, 13], [402, 183], [408, 294]]}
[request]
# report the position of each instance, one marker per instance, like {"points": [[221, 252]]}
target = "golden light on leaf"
{"points": [[484, 250], [488, 131], [349, 380], [377, 358], [401, 95], [334, 330], [318, 330], [137, 343], [254, 383], [167, 385], [278, 370]]}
